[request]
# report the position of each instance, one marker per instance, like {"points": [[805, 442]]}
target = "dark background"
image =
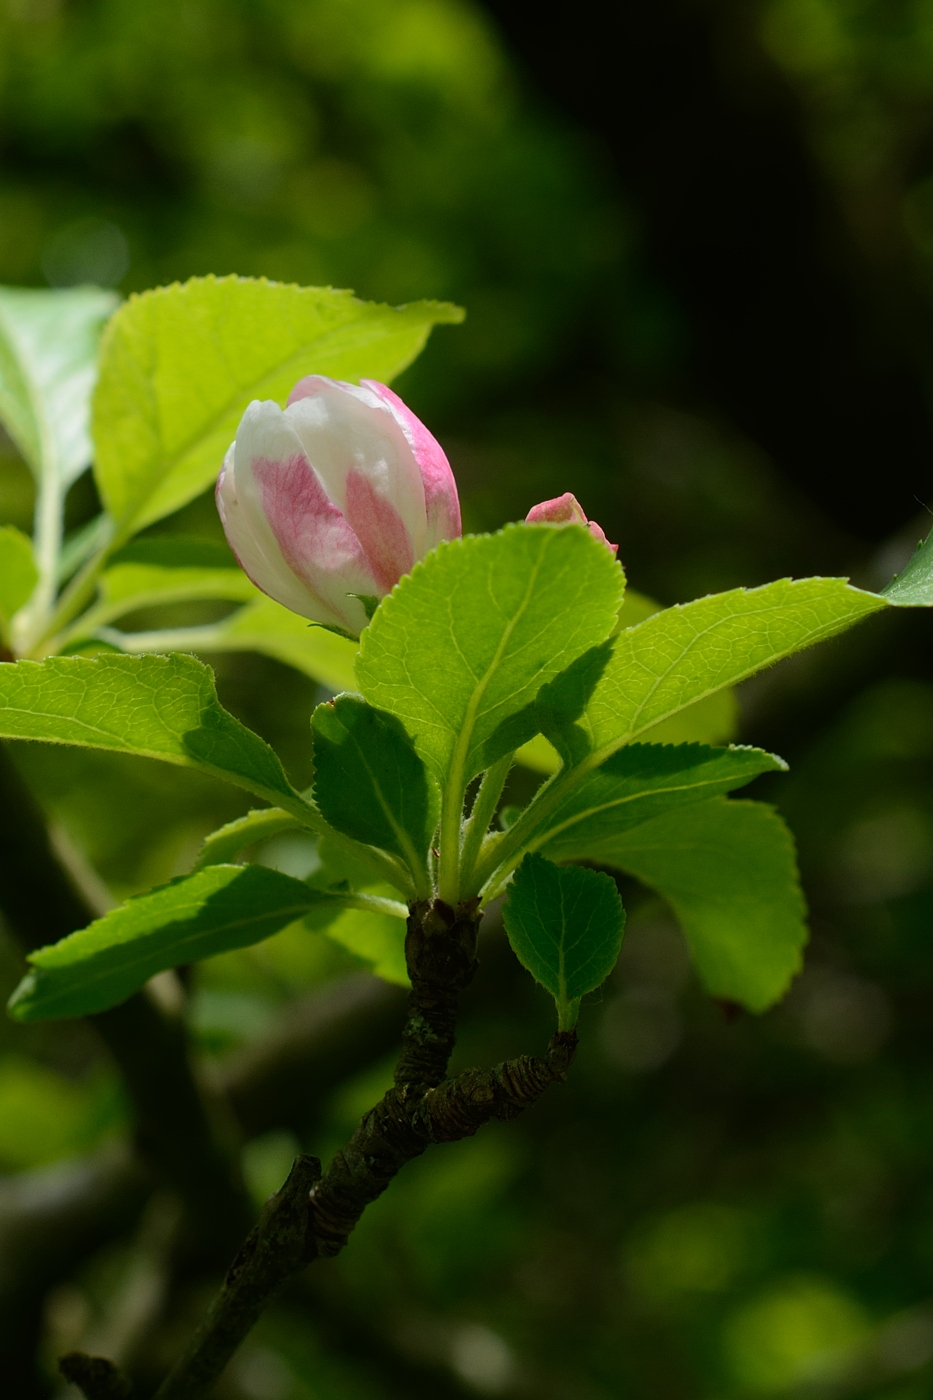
{"points": [[694, 242]]}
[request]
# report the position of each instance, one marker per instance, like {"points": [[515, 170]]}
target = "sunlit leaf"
{"points": [[639, 783], [684, 654], [180, 364], [267, 627], [162, 707], [155, 572], [48, 364], [377, 937], [224, 845], [461, 647], [222, 907]]}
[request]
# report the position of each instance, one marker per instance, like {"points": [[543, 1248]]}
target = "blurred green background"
{"points": [[697, 258]]}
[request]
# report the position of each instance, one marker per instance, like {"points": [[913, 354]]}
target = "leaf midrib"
{"points": [[295, 910]]}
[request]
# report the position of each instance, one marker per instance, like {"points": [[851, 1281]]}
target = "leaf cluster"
{"points": [[515, 647]]}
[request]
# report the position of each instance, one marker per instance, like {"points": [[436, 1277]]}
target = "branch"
{"points": [[405, 1123], [272, 1253], [440, 950], [313, 1216]]}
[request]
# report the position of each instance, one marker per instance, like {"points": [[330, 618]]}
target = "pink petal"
{"points": [[346, 428], [316, 540], [441, 501], [380, 530]]}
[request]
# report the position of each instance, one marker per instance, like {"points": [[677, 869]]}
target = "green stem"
{"points": [[502, 858], [75, 598], [448, 866], [48, 543], [484, 809], [370, 903]]}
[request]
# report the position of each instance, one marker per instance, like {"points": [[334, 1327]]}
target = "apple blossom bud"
{"points": [[334, 498], [566, 510]]}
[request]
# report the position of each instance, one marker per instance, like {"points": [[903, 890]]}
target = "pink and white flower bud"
{"points": [[566, 510], [336, 495]]}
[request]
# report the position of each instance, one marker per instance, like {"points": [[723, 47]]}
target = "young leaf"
{"points": [[18, 574], [224, 845], [565, 925], [180, 364], [464, 643], [48, 355], [729, 873], [157, 706], [370, 783], [637, 784], [222, 907], [678, 657]]}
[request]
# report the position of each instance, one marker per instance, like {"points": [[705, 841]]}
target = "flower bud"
{"points": [[334, 498], [566, 510]]}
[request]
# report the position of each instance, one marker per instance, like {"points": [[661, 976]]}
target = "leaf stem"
{"points": [[484, 808], [75, 597], [448, 871], [49, 530]]}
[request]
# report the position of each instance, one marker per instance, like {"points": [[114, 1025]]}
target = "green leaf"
{"points": [[637, 784], [914, 587], [680, 656], [729, 872], [180, 364], [18, 575], [48, 356], [565, 925], [156, 706], [370, 783], [224, 845], [222, 907], [712, 720], [463, 644]]}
